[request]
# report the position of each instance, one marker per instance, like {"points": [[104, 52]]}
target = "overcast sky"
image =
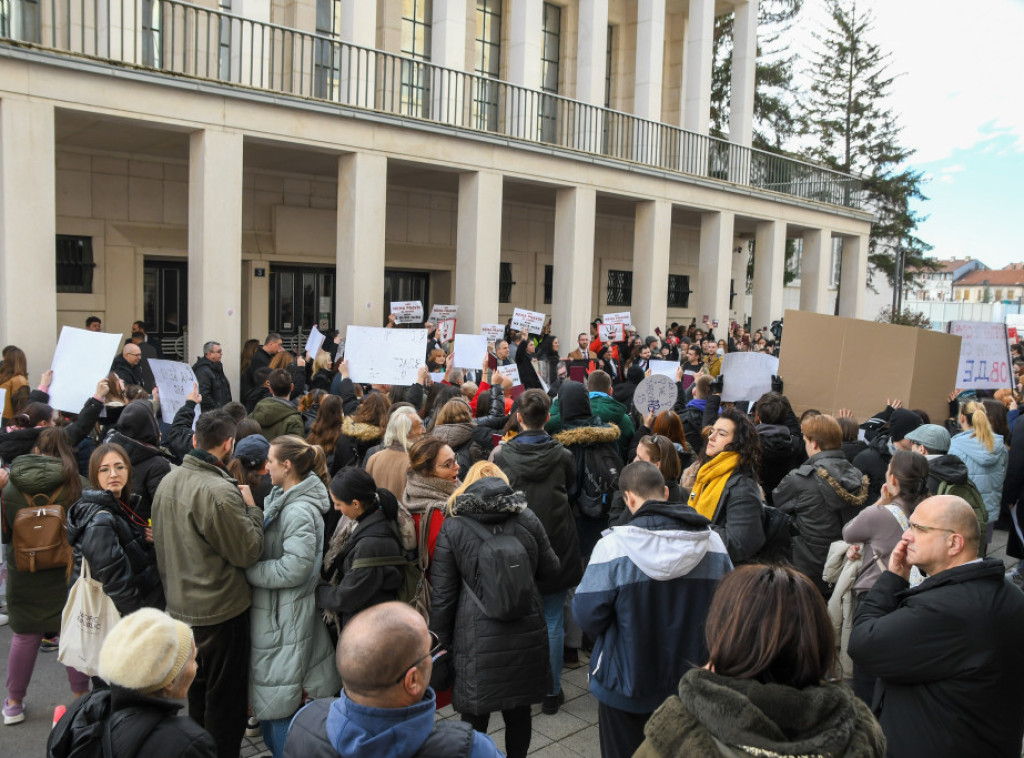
{"points": [[960, 100]]}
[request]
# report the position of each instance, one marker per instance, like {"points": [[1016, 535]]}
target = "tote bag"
{"points": [[88, 617]]}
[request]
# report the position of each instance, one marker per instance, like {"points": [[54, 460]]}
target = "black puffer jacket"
{"points": [[348, 591], [821, 496], [129, 374], [119, 556], [544, 470], [482, 648], [138, 433], [355, 440], [739, 518], [213, 385], [21, 441]]}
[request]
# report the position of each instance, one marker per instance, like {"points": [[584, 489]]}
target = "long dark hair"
{"points": [[770, 624], [326, 427], [53, 443], [352, 483], [745, 440], [97, 458]]}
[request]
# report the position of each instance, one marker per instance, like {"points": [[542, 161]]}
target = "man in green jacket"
{"points": [[275, 414], [610, 410], [207, 531]]}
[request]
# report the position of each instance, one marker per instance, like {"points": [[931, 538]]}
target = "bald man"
{"points": [[126, 365], [385, 658], [947, 653]]}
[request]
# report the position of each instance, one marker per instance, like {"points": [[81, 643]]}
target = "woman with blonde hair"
{"points": [[985, 455], [291, 650]]}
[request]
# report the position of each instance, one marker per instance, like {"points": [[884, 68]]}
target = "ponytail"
{"points": [[352, 483], [977, 418], [301, 454]]}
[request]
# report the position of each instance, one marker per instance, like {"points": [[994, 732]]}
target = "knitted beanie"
{"points": [[145, 651]]}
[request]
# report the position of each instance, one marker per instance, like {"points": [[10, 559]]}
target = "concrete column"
{"points": [[697, 64], [815, 271], [652, 238], [744, 58], [573, 282], [478, 250], [215, 245], [362, 202], [592, 49], [525, 27], [448, 49], [854, 277], [357, 24], [650, 42], [28, 231], [715, 266], [769, 272]]}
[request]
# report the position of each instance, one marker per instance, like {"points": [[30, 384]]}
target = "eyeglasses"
{"points": [[922, 529], [448, 464], [435, 652]]}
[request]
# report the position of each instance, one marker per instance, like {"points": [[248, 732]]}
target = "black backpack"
{"points": [[597, 478], [85, 729], [504, 573]]}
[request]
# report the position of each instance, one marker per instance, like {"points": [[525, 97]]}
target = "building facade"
{"points": [[1005, 285], [938, 284], [225, 169]]}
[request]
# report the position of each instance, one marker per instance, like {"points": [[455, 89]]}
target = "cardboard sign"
{"points": [[81, 359], [470, 350], [984, 355], [408, 312], [527, 321], [833, 362], [611, 332], [175, 381], [442, 312], [512, 372], [493, 332], [384, 356], [446, 331], [655, 394], [622, 317], [747, 375], [664, 368], [315, 342]]}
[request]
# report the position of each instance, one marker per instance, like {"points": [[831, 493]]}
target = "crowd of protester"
{"points": [[744, 581]]}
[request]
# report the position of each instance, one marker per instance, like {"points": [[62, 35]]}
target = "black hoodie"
{"points": [[139, 434]]}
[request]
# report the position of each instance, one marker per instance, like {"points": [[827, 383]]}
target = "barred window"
{"points": [[505, 283], [549, 277], [620, 287], [74, 264], [678, 291]]}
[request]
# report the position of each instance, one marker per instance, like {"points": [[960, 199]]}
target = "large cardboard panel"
{"points": [[832, 362]]}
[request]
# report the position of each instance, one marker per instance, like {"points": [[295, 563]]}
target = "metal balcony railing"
{"points": [[182, 39]]}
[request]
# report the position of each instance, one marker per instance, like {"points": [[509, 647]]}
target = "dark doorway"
{"points": [[301, 297], [165, 304], [401, 286]]}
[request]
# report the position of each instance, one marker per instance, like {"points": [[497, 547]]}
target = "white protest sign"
{"points": [[436, 376], [470, 350], [315, 342], [512, 372], [747, 375], [493, 332], [384, 356], [664, 368], [445, 330], [175, 382], [441, 312], [655, 394], [527, 321], [3, 399], [81, 359], [623, 317], [984, 355], [408, 312], [611, 332]]}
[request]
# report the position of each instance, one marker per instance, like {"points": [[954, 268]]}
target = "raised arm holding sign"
{"points": [[81, 358]]}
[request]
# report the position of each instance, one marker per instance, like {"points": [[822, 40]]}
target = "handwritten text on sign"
{"points": [[984, 355], [175, 381], [384, 356]]}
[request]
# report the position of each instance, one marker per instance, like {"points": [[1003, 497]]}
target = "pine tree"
{"points": [[774, 119], [852, 130]]}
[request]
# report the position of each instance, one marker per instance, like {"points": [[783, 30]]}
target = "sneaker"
{"points": [[252, 727], [50, 644], [552, 703], [13, 714], [3, 619]]}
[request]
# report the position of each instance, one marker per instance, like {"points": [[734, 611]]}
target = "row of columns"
{"points": [[525, 30], [28, 229]]}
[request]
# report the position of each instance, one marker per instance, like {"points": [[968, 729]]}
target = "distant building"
{"points": [[938, 284], [987, 286]]}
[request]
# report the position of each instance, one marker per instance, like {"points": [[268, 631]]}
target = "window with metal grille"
{"points": [[549, 278], [678, 291], [549, 71], [74, 264], [505, 283], [620, 287], [416, 42], [488, 63]]}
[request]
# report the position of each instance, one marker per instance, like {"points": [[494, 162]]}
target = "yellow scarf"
{"points": [[711, 478]]}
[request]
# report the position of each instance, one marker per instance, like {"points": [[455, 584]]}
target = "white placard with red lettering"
{"points": [[442, 312], [493, 332], [623, 317], [611, 332], [512, 372], [527, 321], [408, 312], [445, 330]]}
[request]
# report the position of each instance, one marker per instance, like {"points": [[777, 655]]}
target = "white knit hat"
{"points": [[145, 651]]}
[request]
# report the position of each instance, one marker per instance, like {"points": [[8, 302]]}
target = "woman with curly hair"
{"points": [[726, 491]]}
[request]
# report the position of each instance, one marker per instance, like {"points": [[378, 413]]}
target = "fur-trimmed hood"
{"points": [[360, 431], [489, 495], [856, 498], [589, 435]]}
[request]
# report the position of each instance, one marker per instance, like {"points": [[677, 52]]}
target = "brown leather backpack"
{"points": [[40, 535]]}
